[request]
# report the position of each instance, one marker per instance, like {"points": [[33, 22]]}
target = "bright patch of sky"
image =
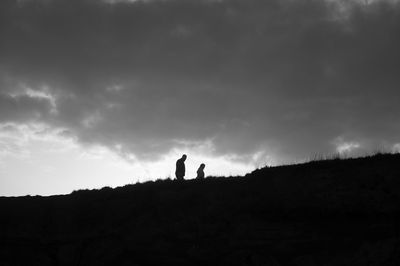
{"points": [[37, 160], [396, 148], [344, 147]]}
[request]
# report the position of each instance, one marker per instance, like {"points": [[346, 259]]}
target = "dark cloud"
{"points": [[142, 77], [23, 108]]}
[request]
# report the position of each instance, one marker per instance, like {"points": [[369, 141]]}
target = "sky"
{"points": [[100, 93]]}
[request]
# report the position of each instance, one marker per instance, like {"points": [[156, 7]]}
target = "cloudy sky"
{"points": [[100, 93]]}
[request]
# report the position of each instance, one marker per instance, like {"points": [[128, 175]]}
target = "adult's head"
{"points": [[202, 166], [184, 157]]}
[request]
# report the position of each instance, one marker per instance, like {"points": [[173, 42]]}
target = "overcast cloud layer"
{"points": [[281, 78]]}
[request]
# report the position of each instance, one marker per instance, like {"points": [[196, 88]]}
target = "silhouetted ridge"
{"points": [[331, 212]]}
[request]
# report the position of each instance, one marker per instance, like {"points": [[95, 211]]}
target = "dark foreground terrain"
{"points": [[333, 212]]}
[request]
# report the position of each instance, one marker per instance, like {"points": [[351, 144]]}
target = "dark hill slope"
{"points": [[334, 212]]}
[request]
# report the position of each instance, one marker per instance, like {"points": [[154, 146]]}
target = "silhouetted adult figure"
{"points": [[180, 168], [200, 171]]}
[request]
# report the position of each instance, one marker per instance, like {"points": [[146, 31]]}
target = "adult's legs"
{"points": [[179, 177]]}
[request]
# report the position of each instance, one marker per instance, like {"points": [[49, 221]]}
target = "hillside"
{"points": [[332, 212]]}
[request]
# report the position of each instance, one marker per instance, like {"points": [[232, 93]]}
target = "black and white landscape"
{"points": [[289, 108], [330, 212]]}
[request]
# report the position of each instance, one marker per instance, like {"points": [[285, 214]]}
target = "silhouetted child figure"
{"points": [[200, 171], [180, 168]]}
